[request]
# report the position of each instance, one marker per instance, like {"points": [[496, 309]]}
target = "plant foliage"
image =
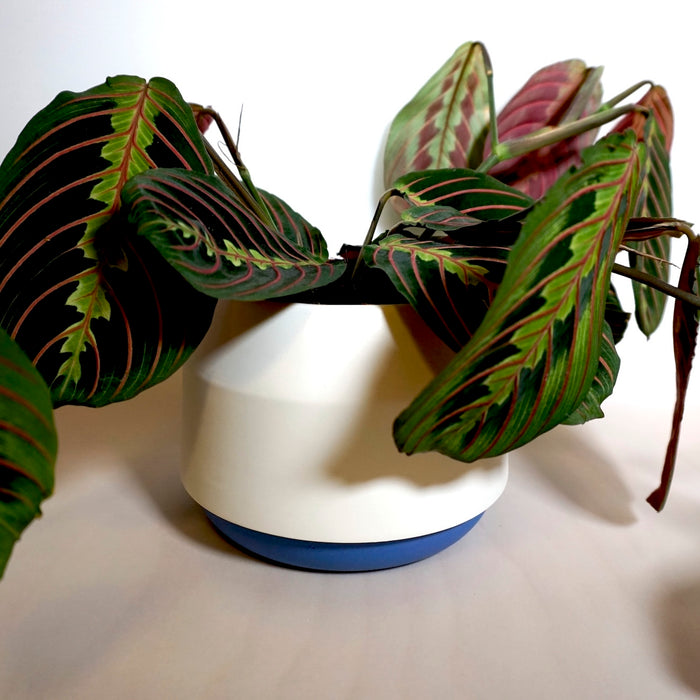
{"points": [[121, 225], [27, 444]]}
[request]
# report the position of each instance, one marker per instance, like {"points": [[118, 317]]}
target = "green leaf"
{"points": [[219, 245], [450, 285], [603, 382], [28, 445], [552, 96], [654, 201], [446, 122], [96, 310], [534, 357], [453, 198]]}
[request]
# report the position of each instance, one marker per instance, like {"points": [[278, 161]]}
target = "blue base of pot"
{"points": [[339, 557]]}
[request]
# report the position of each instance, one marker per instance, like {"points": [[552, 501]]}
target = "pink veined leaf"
{"points": [[100, 315], [450, 285], [445, 123], [456, 197], [654, 201], [535, 355], [544, 101], [221, 247]]}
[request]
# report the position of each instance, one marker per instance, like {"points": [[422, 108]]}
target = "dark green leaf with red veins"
{"points": [[685, 334], [603, 382], [614, 326], [446, 122], [96, 310], [219, 245], [534, 357], [450, 286], [27, 444], [654, 200], [549, 98], [453, 198]]}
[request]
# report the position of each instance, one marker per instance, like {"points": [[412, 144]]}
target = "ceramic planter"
{"points": [[288, 445]]}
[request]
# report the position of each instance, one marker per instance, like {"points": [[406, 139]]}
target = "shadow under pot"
{"points": [[288, 443]]}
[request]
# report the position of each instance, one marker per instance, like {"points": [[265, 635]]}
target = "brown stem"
{"points": [[656, 283], [246, 189]]}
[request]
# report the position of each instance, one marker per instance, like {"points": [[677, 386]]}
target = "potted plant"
{"points": [[121, 225]]}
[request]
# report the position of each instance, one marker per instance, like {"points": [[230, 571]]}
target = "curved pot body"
{"points": [[288, 442]]}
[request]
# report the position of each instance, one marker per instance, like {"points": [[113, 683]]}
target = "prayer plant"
{"points": [[121, 225]]}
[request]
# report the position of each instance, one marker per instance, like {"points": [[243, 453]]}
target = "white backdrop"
{"points": [[572, 587], [320, 82]]}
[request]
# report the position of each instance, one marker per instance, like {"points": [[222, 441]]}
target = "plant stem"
{"points": [[493, 123], [374, 223], [249, 191], [656, 283], [550, 135]]}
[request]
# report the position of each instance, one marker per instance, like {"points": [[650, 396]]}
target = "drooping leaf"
{"points": [[453, 198], [614, 326], [219, 245], [654, 201], [28, 444], [446, 122], [553, 95], [603, 382], [685, 334], [534, 357], [96, 310], [450, 286]]}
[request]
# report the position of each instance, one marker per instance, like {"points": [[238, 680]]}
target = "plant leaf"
{"points": [[450, 285], [685, 333], [456, 197], [533, 359], [95, 310], [28, 444], [446, 122], [654, 201], [546, 100], [219, 245], [603, 382]]}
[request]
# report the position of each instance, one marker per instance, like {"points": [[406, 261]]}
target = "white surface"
{"points": [[288, 428], [570, 587]]}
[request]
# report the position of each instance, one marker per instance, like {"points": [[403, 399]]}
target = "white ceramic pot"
{"points": [[288, 443]]}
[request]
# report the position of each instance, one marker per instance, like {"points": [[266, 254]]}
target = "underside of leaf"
{"points": [[547, 100], [445, 124]]}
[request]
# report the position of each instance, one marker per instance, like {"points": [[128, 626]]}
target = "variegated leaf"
{"points": [[547, 99], [534, 357], [450, 286], [219, 245], [28, 444], [656, 130], [446, 122], [448, 199], [603, 382], [97, 311]]}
